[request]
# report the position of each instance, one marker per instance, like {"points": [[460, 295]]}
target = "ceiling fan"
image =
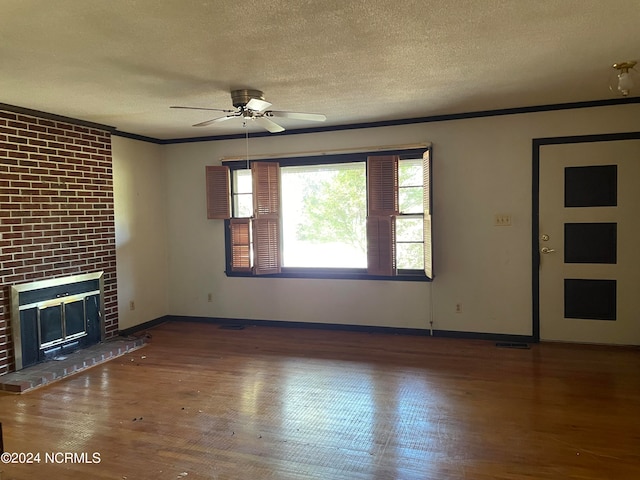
{"points": [[251, 105]]}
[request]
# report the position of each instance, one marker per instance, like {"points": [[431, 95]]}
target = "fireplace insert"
{"points": [[53, 317]]}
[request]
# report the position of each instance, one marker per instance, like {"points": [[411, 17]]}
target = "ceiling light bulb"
{"points": [[625, 73], [625, 83]]}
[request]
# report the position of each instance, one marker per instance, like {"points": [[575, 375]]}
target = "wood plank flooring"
{"points": [[200, 402]]}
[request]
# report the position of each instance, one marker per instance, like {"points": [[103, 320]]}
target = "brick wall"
{"points": [[56, 210]]}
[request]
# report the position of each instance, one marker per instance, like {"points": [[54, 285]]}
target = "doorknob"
{"points": [[547, 250]]}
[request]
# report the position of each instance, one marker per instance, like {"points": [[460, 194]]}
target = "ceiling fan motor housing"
{"points": [[240, 98]]}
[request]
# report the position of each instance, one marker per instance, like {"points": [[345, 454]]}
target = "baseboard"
{"points": [[494, 337], [498, 337], [144, 326]]}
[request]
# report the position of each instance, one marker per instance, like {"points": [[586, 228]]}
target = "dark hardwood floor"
{"points": [[200, 402]]}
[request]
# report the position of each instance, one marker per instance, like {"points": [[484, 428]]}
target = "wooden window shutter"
{"points": [[240, 244], [266, 241], [218, 192], [427, 235], [382, 206], [266, 189], [381, 242], [382, 185], [266, 222]]}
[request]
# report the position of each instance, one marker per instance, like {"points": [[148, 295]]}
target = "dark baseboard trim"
{"points": [[144, 326], [497, 337], [492, 337]]}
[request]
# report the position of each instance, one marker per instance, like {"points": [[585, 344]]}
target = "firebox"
{"points": [[53, 317]]}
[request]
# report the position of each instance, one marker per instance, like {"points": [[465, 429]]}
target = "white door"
{"points": [[589, 228]]}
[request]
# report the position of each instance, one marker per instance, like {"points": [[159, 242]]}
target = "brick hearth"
{"points": [[44, 373]]}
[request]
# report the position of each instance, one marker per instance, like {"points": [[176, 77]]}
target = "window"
{"points": [[336, 216], [324, 209], [409, 222]]}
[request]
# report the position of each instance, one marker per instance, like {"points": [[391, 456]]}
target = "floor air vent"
{"points": [[520, 345]]}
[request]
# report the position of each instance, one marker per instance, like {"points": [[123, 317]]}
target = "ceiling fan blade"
{"points": [[203, 108], [215, 120], [257, 105], [273, 127], [313, 117]]}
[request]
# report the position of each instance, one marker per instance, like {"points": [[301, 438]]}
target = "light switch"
{"points": [[502, 220]]}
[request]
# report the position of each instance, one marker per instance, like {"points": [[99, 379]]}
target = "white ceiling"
{"points": [[124, 62]]}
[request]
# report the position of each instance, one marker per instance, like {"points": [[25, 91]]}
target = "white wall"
{"points": [[480, 167], [139, 183]]}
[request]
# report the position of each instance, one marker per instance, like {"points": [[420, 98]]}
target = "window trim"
{"points": [[327, 273]]}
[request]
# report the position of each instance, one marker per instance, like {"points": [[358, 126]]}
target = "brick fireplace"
{"points": [[56, 209]]}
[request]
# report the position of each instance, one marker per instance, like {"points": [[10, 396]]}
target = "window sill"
{"points": [[338, 274]]}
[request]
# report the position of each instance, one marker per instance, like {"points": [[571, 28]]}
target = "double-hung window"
{"points": [[330, 216]]}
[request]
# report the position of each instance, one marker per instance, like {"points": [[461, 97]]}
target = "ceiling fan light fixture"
{"points": [[625, 83], [625, 80]]}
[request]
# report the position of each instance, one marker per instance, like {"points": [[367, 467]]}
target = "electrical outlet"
{"points": [[458, 308], [210, 297], [502, 220], [132, 305]]}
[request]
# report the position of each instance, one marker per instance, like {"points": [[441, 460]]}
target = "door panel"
{"points": [[590, 242], [589, 226]]}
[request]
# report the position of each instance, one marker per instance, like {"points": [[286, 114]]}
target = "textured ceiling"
{"points": [[124, 62]]}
